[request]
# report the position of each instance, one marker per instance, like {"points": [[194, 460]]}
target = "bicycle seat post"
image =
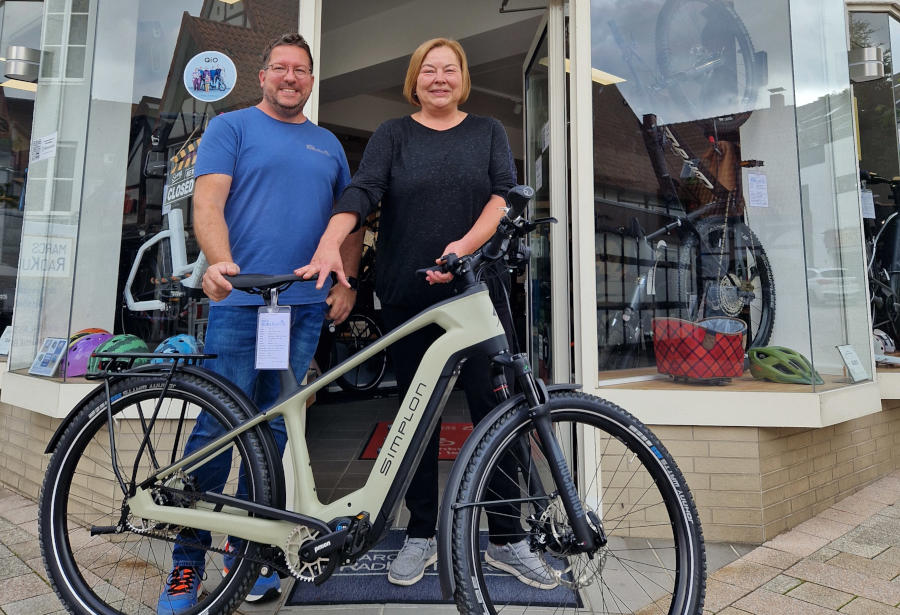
{"points": [[270, 297]]}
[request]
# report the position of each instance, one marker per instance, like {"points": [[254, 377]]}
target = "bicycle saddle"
{"points": [[260, 282]]}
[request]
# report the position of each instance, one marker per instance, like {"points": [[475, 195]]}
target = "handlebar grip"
{"points": [[518, 198]]}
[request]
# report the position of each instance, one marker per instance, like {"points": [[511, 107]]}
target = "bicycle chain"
{"points": [[190, 543]]}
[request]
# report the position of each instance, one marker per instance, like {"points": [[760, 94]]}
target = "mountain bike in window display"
{"points": [[598, 497], [707, 74]]}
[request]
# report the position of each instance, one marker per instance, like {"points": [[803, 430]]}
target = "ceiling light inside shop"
{"points": [[229, 1], [19, 85], [597, 75]]}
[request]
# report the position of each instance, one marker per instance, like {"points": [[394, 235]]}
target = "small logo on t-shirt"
{"points": [[313, 148]]}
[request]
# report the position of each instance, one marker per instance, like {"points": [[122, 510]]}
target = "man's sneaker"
{"points": [[265, 588], [181, 590], [520, 561], [409, 566]]}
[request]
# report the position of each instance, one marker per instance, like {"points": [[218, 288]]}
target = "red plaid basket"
{"points": [[706, 350]]}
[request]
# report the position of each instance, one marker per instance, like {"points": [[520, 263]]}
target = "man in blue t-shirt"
{"points": [[267, 179]]}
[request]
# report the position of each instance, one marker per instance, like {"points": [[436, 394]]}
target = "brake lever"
{"points": [[450, 261], [530, 225], [436, 268]]}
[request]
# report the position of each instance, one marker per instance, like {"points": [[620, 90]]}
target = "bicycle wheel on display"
{"points": [[723, 270], [104, 571], [654, 559], [351, 336], [707, 62]]}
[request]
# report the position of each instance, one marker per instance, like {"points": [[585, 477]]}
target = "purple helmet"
{"points": [[80, 351]]}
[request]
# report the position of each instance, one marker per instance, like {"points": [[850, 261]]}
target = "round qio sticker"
{"points": [[209, 76]]}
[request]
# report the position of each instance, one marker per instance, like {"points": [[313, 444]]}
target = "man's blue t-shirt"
{"points": [[284, 180]]}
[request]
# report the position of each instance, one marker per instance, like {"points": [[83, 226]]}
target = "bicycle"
{"points": [[721, 267], [706, 64], [882, 269], [620, 537]]}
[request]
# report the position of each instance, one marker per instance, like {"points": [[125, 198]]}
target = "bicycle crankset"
{"points": [[315, 571]]}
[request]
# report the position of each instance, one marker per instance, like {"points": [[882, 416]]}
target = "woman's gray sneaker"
{"points": [[409, 566], [518, 560]]}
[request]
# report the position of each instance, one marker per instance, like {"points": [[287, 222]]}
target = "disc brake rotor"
{"points": [[579, 570]]}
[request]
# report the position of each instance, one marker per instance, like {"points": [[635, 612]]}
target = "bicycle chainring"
{"points": [[309, 572]]}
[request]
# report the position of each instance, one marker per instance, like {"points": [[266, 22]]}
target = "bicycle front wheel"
{"points": [[100, 558], [654, 560], [724, 271]]}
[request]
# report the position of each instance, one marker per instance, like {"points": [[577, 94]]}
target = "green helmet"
{"points": [[119, 343], [780, 364]]}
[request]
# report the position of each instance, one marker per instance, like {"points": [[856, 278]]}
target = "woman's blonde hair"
{"points": [[418, 58]]}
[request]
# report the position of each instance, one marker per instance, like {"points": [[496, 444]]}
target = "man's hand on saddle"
{"points": [[215, 285]]}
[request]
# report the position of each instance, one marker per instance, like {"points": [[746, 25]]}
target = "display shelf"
{"points": [[48, 396], [744, 402]]}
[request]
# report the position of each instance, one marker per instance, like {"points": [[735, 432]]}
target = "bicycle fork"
{"points": [[586, 526]]}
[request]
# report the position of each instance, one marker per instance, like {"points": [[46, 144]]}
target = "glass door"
{"points": [[537, 175]]}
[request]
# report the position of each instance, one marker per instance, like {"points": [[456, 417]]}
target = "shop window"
{"points": [[121, 127], [725, 189], [65, 39]]}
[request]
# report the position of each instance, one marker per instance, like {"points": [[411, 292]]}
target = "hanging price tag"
{"points": [[273, 337]]}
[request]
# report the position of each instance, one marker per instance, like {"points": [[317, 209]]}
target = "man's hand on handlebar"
{"points": [[215, 285]]}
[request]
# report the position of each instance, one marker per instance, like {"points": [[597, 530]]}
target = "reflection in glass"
{"points": [[698, 212], [167, 124]]}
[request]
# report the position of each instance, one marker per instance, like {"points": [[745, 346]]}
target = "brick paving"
{"points": [[845, 560]]}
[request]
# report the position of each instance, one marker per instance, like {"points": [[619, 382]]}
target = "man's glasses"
{"points": [[300, 72]]}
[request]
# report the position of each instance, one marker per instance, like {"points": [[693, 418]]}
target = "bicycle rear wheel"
{"points": [[351, 336], [654, 561], [124, 570], [707, 61], [723, 270]]}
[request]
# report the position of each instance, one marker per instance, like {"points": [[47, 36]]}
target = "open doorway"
{"points": [[364, 55]]}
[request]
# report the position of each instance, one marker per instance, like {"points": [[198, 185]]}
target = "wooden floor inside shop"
{"points": [[648, 379]]}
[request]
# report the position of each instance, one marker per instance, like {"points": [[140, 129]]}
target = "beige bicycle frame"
{"points": [[467, 320]]}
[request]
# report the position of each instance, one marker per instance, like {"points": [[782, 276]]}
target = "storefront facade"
{"points": [[701, 158]]}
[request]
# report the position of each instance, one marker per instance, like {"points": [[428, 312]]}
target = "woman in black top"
{"points": [[440, 175]]}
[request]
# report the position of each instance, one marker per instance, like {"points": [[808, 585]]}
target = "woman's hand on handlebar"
{"points": [[454, 247], [215, 285]]}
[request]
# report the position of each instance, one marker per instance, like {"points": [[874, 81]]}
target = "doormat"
{"points": [[365, 582], [452, 437]]}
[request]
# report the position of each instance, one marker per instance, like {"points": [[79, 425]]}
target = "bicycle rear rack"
{"points": [[122, 365]]}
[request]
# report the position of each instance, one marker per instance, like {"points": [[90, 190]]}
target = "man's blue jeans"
{"points": [[231, 334]]}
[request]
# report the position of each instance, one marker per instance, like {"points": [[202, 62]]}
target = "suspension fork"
{"points": [[539, 412]]}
